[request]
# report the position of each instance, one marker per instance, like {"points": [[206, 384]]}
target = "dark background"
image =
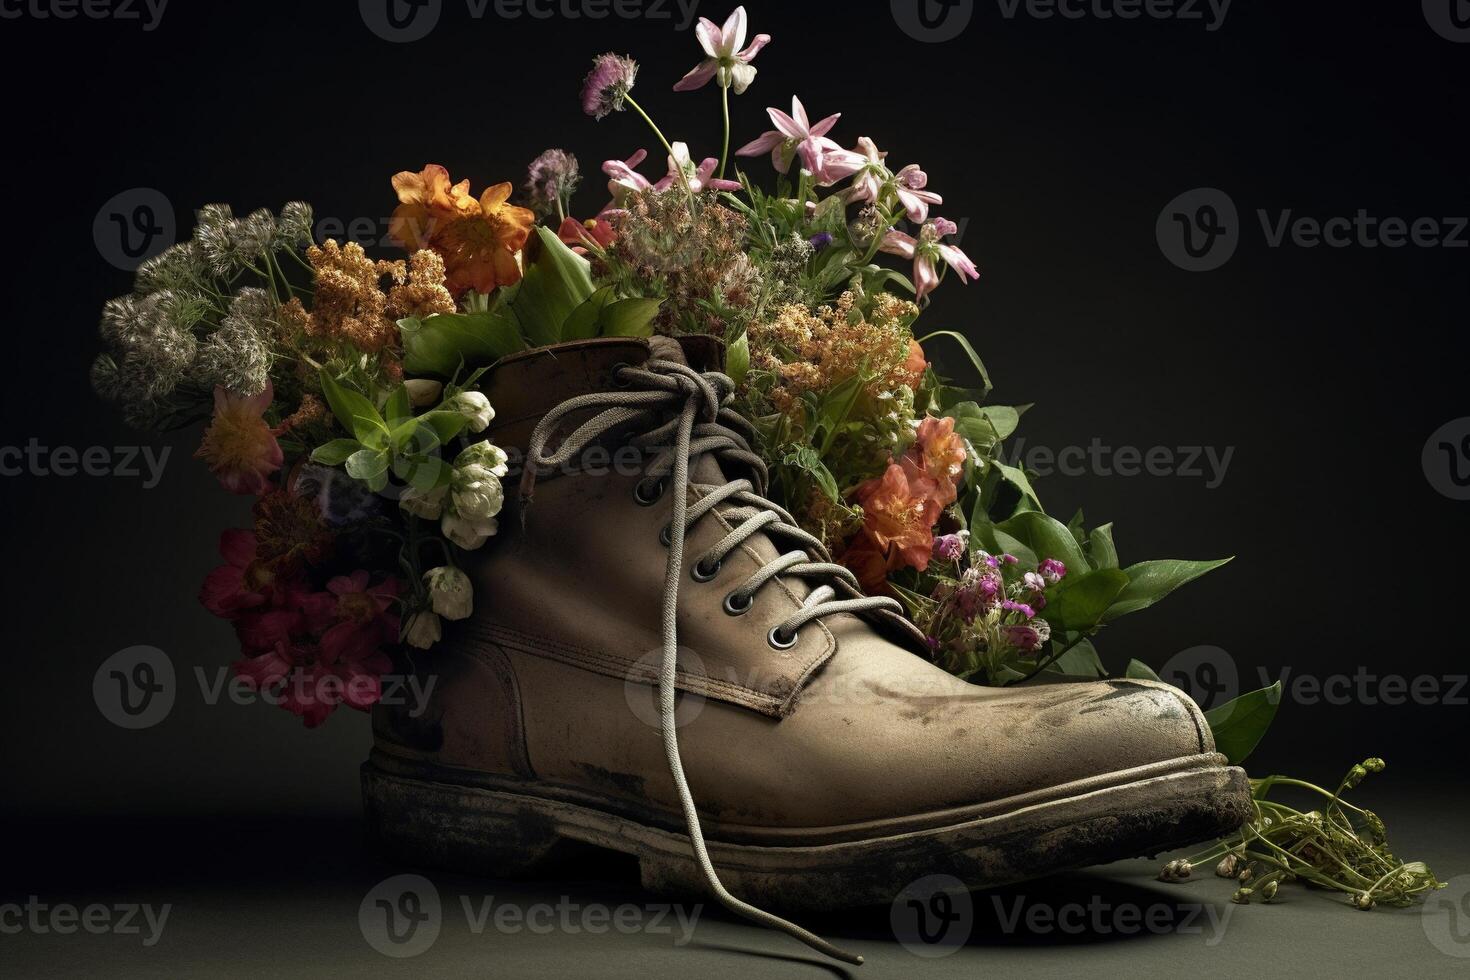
{"points": [[1055, 142]]}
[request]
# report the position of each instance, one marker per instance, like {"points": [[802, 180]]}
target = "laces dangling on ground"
{"points": [[683, 414]]}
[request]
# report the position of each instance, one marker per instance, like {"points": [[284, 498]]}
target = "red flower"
{"points": [[581, 235]]}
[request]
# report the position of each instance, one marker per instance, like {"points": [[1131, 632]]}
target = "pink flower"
{"points": [[698, 178], [723, 55], [867, 183], [606, 87], [227, 591], [909, 184], [239, 448], [625, 180], [796, 135], [926, 251]]}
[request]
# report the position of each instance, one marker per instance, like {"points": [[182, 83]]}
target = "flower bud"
{"points": [[485, 454], [1363, 901], [473, 406], [423, 392], [1268, 890], [1229, 866], [450, 592], [428, 504], [1242, 896], [423, 630]]}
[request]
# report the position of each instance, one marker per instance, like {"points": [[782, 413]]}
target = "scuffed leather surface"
{"points": [[845, 727]]}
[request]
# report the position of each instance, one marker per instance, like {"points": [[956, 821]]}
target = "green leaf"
{"points": [[1239, 725], [439, 344], [353, 410], [446, 424], [1140, 671], [1100, 550], [1150, 581], [335, 453], [967, 348], [630, 317], [369, 466], [415, 437], [555, 283], [582, 322], [1080, 661], [1078, 604], [1045, 537], [1017, 478], [737, 358], [398, 407]]}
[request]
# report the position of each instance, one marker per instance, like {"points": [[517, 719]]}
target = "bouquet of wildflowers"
{"points": [[340, 390]]}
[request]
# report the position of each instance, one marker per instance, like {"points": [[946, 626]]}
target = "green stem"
{"points": [[1052, 659], [725, 111], [663, 140]]}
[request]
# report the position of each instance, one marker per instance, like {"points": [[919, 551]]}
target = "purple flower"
{"points": [[1034, 582], [1030, 637], [927, 251], [607, 84], [553, 176], [1051, 570], [723, 56], [1009, 559], [909, 184], [947, 547], [977, 592], [820, 240], [1020, 607]]}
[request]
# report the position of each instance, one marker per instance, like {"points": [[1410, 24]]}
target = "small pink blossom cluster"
{"points": [[312, 649]]}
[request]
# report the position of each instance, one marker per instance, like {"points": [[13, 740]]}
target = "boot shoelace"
{"points": [[700, 422]]}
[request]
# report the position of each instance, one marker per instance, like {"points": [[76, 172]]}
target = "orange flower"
{"points": [[916, 365], [899, 511], [938, 452], [480, 240]]}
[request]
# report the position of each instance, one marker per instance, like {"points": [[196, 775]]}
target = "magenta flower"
{"points": [[949, 547], [927, 250], [723, 55], [797, 136], [698, 178], [1030, 637], [1051, 570], [1013, 606]]}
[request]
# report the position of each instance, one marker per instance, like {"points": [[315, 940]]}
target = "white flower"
{"points": [[450, 592], [428, 504], [486, 454], [423, 392], [476, 492], [467, 533], [473, 406], [424, 630]]}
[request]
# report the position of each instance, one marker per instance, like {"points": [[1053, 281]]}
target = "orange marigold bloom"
{"points": [[238, 445], [938, 452], [899, 511], [479, 240]]}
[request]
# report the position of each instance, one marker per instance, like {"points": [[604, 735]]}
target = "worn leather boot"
{"points": [[815, 760]]}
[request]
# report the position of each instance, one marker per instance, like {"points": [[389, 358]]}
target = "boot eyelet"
{"points": [[617, 370], [780, 641], [735, 607], [666, 537], [647, 492], [701, 573]]}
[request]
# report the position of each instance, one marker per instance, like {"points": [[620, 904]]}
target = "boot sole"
{"points": [[429, 816]]}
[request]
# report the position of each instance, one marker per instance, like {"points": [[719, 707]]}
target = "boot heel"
{"points": [[434, 825]]}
